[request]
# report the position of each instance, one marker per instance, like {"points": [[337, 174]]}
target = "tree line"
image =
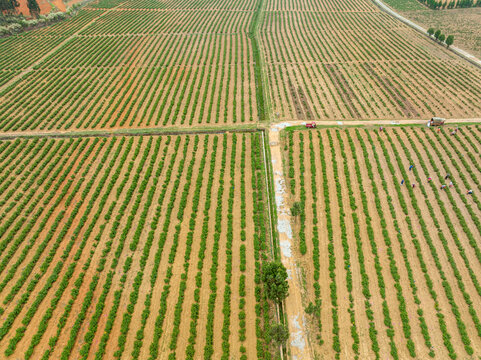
{"points": [[439, 36]]}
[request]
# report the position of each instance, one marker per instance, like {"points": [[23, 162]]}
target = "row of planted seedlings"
{"points": [[414, 238], [316, 253], [406, 327], [226, 310], [457, 241], [336, 343], [243, 255], [262, 249], [209, 330], [364, 276], [434, 252], [399, 237], [88, 299], [47, 260], [42, 328]]}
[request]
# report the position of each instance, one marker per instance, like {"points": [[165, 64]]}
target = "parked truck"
{"points": [[436, 121]]}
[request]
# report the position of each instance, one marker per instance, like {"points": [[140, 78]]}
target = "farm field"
{"points": [[132, 63], [342, 60], [140, 247], [464, 24], [390, 270]]}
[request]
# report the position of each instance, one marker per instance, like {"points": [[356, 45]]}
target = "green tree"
{"points": [[437, 34], [274, 277], [9, 6], [279, 333], [442, 37], [33, 7], [296, 209], [431, 31], [450, 40]]}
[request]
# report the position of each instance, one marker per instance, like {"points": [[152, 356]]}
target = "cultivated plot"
{"points": [[391, 266], [128, 65], [348, 60], [133, 247]]}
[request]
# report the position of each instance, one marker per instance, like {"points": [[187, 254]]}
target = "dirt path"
{"points": [[462, 53], [298, 341]]}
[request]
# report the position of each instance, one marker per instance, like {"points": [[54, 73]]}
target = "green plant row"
{"points": [[385, 233], [434, 253], [344, 236], [417, 301], [194, 311], [209, 330], [48, 259], [336, 345], [81, 277]]}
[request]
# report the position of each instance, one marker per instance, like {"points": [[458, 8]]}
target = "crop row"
{"points": [[102, 219], [309, 56], [435, 255], [423, 250]]}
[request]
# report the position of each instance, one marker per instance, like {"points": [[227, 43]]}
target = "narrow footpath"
{"points": [[298, 342]]}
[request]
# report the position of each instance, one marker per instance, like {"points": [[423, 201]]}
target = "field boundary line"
{"points": [[254, 127], [262, 64], [127, 132], [262, 111], [460, 52], [274, 243], [299, 344]]}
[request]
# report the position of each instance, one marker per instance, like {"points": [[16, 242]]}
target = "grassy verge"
{"points": [[135, 132], [261, 104]]}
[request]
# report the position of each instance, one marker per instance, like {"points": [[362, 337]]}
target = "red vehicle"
{"points": [[311, 125]]}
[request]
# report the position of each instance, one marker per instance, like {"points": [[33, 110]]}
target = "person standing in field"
{"points": [[411, 167], [414, 185], [447, 176], [402, 182]]}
